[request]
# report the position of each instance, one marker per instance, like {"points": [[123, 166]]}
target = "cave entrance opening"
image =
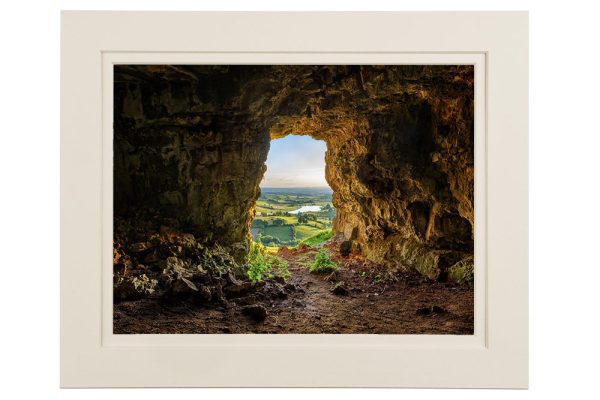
{"points": [[295, 205]]}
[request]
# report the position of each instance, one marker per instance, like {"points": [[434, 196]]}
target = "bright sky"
{"points": [[295, 161]]}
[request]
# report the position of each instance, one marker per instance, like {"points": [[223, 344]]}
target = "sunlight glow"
{"points": [[295, 161]]}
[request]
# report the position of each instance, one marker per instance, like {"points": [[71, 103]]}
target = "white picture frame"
{"points": [[495, 356]]}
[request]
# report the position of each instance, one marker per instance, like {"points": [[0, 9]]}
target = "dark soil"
{"points": [[359, 298]]}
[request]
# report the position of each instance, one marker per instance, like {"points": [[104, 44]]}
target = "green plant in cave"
{"points": [[125, 287], [323, 263], [462, 271], [279, 265], [261, 264]]}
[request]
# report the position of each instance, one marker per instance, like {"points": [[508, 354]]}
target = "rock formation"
{"points": [[191, 142]]}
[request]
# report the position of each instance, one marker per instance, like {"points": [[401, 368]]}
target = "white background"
{"points": [[564, 203]]}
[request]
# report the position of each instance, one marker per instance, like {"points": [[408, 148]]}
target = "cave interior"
{"points": [[191, 141]]}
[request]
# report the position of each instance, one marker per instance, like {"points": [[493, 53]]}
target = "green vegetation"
{"points": [[462, 271], [274, 226], [126, 287], [260, 264], [323, 263], [280, 234], [318, 238]]}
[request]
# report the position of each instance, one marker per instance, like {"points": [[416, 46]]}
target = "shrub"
{"points": [[279, 222], [323, 263], [261, 264], [259, 223], [257, 266], [269, 240]]}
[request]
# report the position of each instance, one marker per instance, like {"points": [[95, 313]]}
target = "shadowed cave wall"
{"points": [[192, 141]]}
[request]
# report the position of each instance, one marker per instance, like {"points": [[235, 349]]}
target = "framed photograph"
{"points": [[294, 199]]}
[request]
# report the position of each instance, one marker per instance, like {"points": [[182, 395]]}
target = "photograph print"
{"points": [[293, 199]]}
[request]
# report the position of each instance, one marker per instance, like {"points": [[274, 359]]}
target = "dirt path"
{"points": [[373, 303]]}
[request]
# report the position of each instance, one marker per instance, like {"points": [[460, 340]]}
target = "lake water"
{"points": [[306, 209]]}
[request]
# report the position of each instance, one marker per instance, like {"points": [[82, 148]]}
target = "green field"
{"points": [[318, 238], [274, 226], [284, 233]]}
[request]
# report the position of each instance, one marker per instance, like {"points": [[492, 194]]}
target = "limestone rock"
{"points": [[258, 312], [181, 287]]}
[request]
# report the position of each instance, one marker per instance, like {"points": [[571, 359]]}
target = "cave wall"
{"points": [[183, 149], [191, 142]]}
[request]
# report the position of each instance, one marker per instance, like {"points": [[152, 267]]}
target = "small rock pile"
{"points": [[169, 265]]}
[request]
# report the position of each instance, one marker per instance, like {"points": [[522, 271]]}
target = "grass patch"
{"points": [[305, 259], [261, 264], [306, 231], [323, 263], [283, 233], [318, 238], [271, 249]]}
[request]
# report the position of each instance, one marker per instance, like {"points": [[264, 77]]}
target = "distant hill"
{"points": [[297, 190]]}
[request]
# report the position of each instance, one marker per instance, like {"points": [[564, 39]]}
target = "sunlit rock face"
{"points": [[191, 141]]}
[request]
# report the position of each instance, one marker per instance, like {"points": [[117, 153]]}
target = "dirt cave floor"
{"points": [[370, 302]]}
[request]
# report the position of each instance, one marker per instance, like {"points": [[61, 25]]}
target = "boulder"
{"points": [[205, 294], [181, 288], [132, 288], [339, 289], [239, 289], [257, 312], [274, 290], [290, 287]]}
